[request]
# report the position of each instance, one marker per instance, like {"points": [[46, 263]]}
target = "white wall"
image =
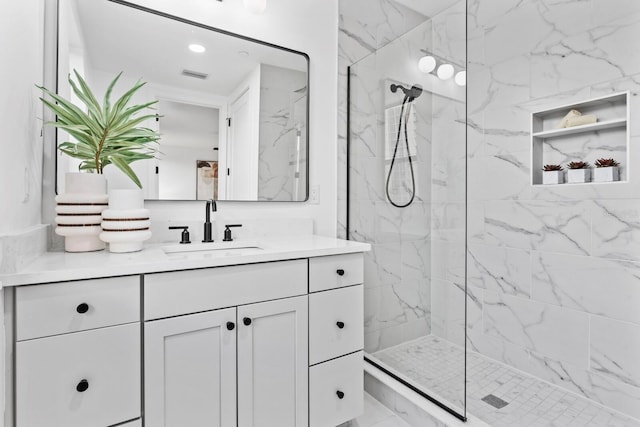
{"points": [[20, 141], [313, 30], [21, 38]]}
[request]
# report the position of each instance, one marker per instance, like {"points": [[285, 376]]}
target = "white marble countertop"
{"points": [[64, 266]]}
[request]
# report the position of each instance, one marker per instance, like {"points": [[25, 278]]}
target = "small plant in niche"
{"points": [[551, 168], [552, 174], [578, 165], [606, 170], [578, 172], [606, 163]]}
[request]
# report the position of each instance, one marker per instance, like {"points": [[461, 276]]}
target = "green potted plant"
{"points": [[104, 133], [578, 172], [552, 174], [606, 170]]}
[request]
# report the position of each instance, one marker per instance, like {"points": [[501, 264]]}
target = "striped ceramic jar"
{"points": [[79, 211], [125, 224]]}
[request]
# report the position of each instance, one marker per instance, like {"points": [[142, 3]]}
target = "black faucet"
{"points": [[210, 207]]}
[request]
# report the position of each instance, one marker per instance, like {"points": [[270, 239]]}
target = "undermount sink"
{"points": [[213, 246]]}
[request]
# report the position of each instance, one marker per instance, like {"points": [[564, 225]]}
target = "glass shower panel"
{"points": [[407, 197]]}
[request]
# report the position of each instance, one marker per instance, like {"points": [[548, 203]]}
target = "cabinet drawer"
{"points": [[182, 292], [336, 391], [50, 373], [336, 323], [335, 271], [52, 309]]}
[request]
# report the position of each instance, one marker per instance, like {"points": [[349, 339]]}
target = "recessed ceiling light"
{"points": [[197, 48]]}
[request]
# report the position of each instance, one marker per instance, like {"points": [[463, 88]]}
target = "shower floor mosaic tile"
{"points": [[437, 364]]}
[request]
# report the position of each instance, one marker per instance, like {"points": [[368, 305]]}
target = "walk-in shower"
{"points": [[493, 296]]}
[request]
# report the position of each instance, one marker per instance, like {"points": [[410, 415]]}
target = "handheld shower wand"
{"points": [[409, 95]]}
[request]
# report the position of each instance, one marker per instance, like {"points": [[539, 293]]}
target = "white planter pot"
{"points": [[126, 223], [578, 175], [607, 174], [79, 211], [552, 177]]}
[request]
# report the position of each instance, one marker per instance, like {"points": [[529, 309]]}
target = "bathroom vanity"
{"points": [[266, 336]]}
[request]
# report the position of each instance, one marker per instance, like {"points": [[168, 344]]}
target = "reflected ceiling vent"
{"points": [[195, 74]]}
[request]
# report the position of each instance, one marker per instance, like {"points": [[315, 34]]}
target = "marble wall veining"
{"points": [[417, 251], [396, 297], [364, 27], [553, 273]]}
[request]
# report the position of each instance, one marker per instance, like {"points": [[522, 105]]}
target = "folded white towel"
{"points": [[565, 119], [581, 120]]}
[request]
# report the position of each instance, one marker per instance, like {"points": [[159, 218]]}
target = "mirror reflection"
{"points": [[232, 112]]}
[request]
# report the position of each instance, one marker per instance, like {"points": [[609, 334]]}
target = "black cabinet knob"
{"points": [[246, 321], [340, 394], [82, 386], [231, 326], [340, 324], [82, 308], [340, 272]]}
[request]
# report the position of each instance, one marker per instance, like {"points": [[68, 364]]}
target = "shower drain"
{"points": [[494, 401]]}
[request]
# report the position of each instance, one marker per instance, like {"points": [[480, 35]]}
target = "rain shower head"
{"points": [[411, 94]]}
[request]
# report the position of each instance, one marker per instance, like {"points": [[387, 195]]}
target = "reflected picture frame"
{"points": [[206, 179]]}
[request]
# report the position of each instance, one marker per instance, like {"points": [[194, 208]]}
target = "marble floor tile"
{"points": [[530, 402]]}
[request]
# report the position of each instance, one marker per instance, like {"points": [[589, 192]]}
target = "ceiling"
{"points": [[155, 49]]}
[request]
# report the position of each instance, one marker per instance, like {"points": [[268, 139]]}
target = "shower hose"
{"points": [[406, 102]]}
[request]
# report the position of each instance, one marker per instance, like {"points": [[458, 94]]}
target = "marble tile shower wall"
{"points": [[397, 296], [366, 26], [421, 246], [553, 274]]}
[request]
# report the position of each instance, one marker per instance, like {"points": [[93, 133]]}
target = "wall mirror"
{"points": [[232, 111]]}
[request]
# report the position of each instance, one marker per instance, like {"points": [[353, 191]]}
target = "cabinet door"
{"points": [[190, 370], [273, 358]]}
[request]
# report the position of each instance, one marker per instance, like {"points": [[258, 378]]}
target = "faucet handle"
{"points": [[227, 232], [185, 233]]}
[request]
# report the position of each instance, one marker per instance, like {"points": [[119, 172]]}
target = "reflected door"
{"points": [[242, 171]]}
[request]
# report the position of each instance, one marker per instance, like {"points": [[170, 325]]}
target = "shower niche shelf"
{"points": [[608, 137]]}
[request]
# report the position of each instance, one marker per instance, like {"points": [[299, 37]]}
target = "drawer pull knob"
{"points": [[340, 325], [82, 386], [340, 272], [231, 326], [246, 321], [340, 394], [82, 308]]}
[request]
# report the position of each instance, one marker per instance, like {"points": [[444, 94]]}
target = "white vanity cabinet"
{"points": [[268, 339], [196, 364]]}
